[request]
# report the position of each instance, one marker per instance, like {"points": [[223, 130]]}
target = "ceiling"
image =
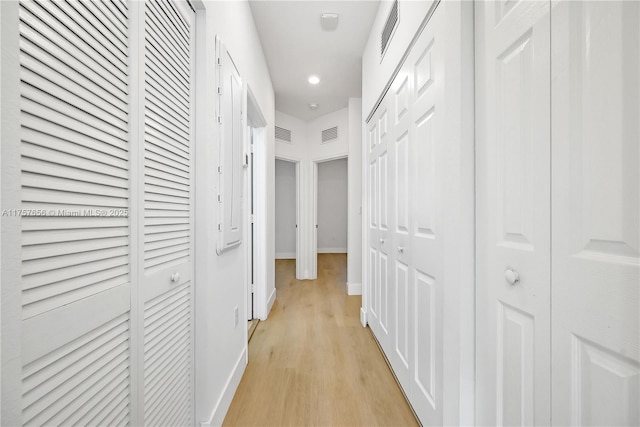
{"points": [[296, 47]]}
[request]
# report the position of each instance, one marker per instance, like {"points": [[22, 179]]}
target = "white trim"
{"points": [[332, 250], [260, 252], [270, 302], [285, 255], [354, 289], [222, 405], [363, 317]]}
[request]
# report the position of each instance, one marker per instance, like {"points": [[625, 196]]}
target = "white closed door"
{"points": [[513, 213], [596, 219], [378, 225], [427, 159], [74, 319], [167, 219]]}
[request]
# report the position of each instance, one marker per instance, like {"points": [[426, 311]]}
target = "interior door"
{"points": [[74, 320], [513, 213], [398, 244], [168, 215], [427, 63], [596, 222]]}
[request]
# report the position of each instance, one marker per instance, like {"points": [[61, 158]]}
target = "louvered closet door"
{"points": [[75, 232], [167, 222]]}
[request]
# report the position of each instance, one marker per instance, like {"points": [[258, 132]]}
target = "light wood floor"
{"points": [[312, 363]]}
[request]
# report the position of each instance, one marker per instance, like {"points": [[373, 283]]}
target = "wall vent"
{"points": [[283, 134], [330, 134], [389, 28]]}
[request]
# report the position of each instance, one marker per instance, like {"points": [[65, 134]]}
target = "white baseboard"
{"points": [[354, 288], [270, 302], [332, 250], [285, 255], [363, 317], [223, 403]]}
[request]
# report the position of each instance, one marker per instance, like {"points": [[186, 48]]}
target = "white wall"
{"points": [[332, 206], [220, 280], [376, 73], [285, 209], [354, 241]]}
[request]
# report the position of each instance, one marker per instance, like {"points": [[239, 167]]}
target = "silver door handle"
{"points": [[511, 276], [175, 277], [400, 249]]}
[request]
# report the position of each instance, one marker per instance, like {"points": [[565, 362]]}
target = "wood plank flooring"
{"points": [[312, 363]]}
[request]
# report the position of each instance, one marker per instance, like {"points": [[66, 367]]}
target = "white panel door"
{"points": [[167, 249], [596, 220], [399, 242], [75, 234], [513, 213], [427, 66]]}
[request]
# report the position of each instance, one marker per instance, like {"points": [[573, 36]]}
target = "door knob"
{"points": [[400, 249], [175, 277], [382, 241], [511, 276]]}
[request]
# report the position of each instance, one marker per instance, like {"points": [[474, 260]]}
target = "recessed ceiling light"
{"points": [[313, 106], [314, 80]]}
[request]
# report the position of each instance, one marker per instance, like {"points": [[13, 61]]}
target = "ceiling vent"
{"points": [[329, 135], [283, 134], [389, 28]]}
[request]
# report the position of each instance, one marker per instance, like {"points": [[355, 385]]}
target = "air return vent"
{"points": [[283, 134], [330, 134], [389, 28]]}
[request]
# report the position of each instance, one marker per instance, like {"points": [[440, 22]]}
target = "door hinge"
{"points": [[219, 120], [219, 198], [253, 288], [251, 218], [219, 90], [219, 169], [219, 61], [251, 148], [219, 227]]}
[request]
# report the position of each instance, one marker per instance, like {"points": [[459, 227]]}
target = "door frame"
{"points": [[256, 191], [299, 238], [314, 207]]}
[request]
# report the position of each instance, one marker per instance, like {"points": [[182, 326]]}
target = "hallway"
{"points": [[312, 363]]}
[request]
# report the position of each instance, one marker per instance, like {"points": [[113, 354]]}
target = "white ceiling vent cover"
{"points": [[283, 134], [389, 28], [330, 134]]}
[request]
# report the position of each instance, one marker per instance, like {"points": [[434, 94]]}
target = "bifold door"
{"points": [[558, 213], [106, 317]]}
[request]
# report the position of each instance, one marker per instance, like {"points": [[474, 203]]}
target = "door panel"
{"points": [[168, 220], [427, 156], [74, 323], [595, 217], [513, 197]]}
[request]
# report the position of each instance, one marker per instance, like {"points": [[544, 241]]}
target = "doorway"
{"points": [[331, 214], [286, 209]]}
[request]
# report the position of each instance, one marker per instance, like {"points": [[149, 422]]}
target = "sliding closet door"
{"points": [[596, 219], [76, 276], [513, 213], [167, 221]]}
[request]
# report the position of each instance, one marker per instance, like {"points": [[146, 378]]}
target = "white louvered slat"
{"points": [[63, 382], [166, 214], [167, 356], [74, 166]]}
